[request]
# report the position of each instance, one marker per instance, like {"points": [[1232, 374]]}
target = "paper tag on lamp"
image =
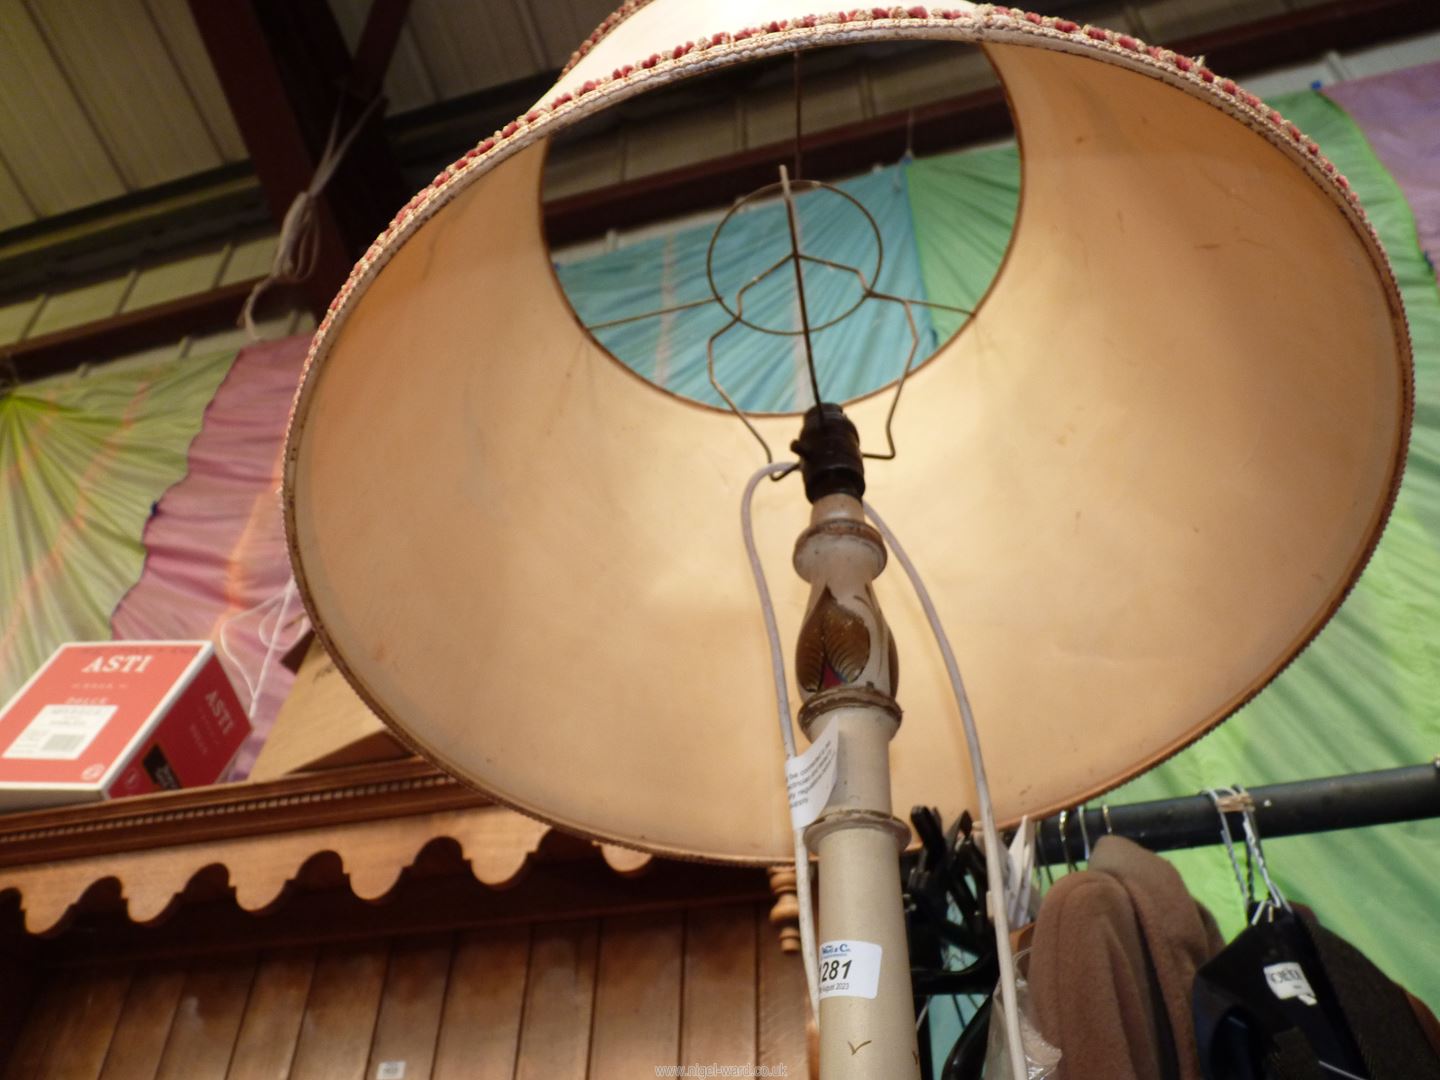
{"points": [[810, 778]]}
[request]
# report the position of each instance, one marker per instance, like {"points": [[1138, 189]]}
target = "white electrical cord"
{"points": [[995, 854], [278, 605], [808, 951], [272, 645]]}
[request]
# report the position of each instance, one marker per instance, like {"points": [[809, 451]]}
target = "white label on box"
{"points": [[849, 969], [60, 732], [1289, 981], [810, 777], [390, 1070]]}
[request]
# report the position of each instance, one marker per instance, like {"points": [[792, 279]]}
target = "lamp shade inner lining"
{"points": [[1138, 483]]}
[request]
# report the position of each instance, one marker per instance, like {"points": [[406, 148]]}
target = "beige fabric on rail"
{"points": [[1137, 481]]}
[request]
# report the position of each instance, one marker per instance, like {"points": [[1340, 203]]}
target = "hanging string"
{"points": [[995, 855], [298, 249]]}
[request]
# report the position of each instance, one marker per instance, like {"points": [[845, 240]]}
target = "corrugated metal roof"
{"points": [[141, 110], [101, 98]]}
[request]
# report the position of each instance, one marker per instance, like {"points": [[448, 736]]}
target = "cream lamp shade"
{"points": [[1139, 480]]}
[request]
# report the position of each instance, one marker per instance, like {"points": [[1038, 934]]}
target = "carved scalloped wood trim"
{"points": [[374, 818], [625, 861], [335, 797], [373, 854]]}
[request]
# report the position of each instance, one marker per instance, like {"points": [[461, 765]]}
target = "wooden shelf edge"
{"points": [[333, 798]]}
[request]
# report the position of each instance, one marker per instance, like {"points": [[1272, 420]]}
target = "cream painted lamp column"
{"points": [[1139, 480]]}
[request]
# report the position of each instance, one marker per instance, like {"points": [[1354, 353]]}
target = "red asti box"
{"points": [[100, 720]]}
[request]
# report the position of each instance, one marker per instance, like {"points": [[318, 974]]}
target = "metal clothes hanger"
{"points": [[1274, 939], [1224, 804], [1070, 864], [1255, 857]]}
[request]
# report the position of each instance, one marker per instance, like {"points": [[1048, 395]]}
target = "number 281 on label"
{"points": [[849, 968], [830, 970]]}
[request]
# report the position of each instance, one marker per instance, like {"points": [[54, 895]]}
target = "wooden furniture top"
{"points": [[376, 818]]}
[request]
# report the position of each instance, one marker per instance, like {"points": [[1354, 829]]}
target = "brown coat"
{"points": [[1113, 965]]}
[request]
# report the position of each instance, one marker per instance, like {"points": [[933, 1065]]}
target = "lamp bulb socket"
{"points": [[829, 453]]}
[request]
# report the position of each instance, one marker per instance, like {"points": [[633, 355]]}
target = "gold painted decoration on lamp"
{"points": [[1126, 541], [834, 646]]}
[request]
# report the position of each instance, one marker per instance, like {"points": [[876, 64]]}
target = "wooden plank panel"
{"points": [[340, 1015], [14, 318], [119, 65], [27, 1057], [830, 100], [411, 1004], [583, 165], [719, 1001], [83, 304], [1184, 18], [185, 275], [54, 152], [144, 1023], [83, 1034], [271, 1027], [250, 258], [937, 74], [18, 981], [559, 1000], [207, 1019], [698, 133], [783, 1009], [637, 995], [480, 1028]]}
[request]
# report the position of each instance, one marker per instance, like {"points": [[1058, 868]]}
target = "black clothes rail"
{"points": [[1409, 793]]}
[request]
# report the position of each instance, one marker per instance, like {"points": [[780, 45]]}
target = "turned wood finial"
{"points": [[785, 915]]}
